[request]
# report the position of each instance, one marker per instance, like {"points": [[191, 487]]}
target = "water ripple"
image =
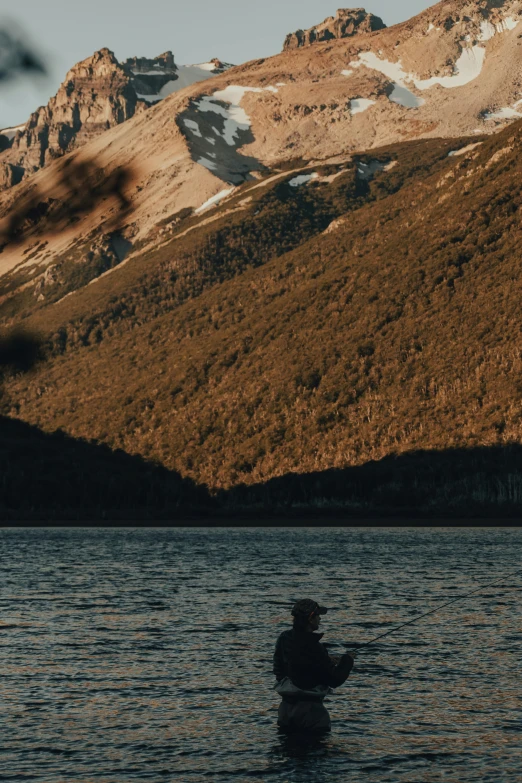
{"points": [[146, 655]]}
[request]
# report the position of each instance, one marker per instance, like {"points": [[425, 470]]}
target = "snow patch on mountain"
{"points": [[156, 72], [184, 76], [193, 128], [398, 76], [303, 179], [155, 98], [217, 126], [11, 132], [489, 30], [214, 200], [367, 171], [191, 74], [358, 105], [466, 68], [464, 150], [404, 97], [208, 164], [512, 112], [236, 118]]}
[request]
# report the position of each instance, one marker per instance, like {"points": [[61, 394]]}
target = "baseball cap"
{"points": [[306, 607]]}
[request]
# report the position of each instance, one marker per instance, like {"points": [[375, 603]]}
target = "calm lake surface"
{"points": [[133, 654]]}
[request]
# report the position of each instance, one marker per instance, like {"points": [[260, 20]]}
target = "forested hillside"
{"points": [[316, 328]]}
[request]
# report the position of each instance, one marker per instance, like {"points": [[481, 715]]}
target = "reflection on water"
{"points": [[146, 655], [310, 759]]}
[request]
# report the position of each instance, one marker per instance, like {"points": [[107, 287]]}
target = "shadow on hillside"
{"points": [[49, 478], [482, 482], [53, 477], [214, 141]]}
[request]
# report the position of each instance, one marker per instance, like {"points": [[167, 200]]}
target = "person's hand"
{"points": [[335, 659]]}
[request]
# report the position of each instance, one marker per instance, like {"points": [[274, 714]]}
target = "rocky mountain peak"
{"points": [[163, 62], [97, 94], [100, 63], [346, 23], [449, 13]]}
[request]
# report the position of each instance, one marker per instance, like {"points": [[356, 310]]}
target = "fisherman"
{"points": [[305, 672]]}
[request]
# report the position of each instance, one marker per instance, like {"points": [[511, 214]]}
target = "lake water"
{"points": [[134, 654]]}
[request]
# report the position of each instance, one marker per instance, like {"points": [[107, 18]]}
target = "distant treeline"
{"points": [[52, 477], [456, 483], [48, 478]]}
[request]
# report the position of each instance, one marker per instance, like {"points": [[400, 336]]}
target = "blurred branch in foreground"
{"points": [[75, 188], [19, 351], [16, 57], [87, 184], [80, 188]]}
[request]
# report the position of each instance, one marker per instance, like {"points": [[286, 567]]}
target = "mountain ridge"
{"points": [[97, 94], [391, 329], [324, 103], [346, 23], [310, 103], [297, 276]]}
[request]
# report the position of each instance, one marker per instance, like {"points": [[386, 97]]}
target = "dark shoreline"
{"points": [[274, 523], [54, 479]]}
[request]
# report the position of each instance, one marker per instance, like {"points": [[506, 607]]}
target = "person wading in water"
{"points": [[305, 672]]}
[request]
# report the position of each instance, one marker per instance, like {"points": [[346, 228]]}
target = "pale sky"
{"points": [[67, 31]]}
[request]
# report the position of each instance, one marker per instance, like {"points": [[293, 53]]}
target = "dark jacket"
{"points": [[300, 656]]}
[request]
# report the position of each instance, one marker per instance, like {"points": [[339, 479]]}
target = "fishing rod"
{"points": [[438, 609]]}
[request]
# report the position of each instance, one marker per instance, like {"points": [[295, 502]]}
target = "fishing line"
{"points": [[438, 608]]}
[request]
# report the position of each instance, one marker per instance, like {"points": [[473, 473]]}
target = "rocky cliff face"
{"points": [[10, 175], [346, 23], [452, 71], [97, 94], [149, 76]]}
